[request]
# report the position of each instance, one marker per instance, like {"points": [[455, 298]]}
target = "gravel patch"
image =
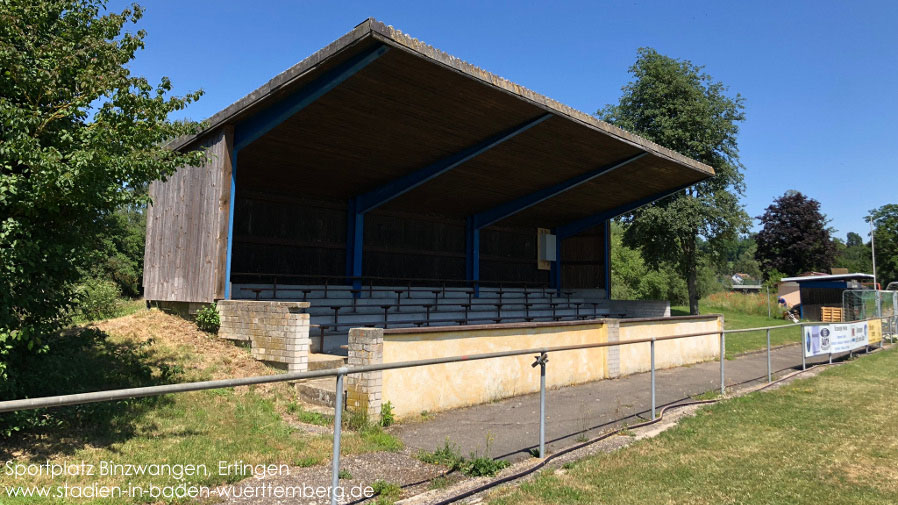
{"points": [[310, 484]]}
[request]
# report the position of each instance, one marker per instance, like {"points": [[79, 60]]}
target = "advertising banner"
{"points": [[835, 338], [874, 331]]}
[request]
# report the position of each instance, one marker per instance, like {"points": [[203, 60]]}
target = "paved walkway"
{"points": [[577, 413]]}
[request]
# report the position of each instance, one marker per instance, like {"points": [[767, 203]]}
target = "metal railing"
{"points": [[890, 325], [369, 283]]}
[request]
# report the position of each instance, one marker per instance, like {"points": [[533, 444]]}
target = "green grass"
{"points": [[827, 439], [125, 307], [735, 319], [308, 416], [245, 424]]}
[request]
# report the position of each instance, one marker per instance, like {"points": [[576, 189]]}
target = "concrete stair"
{"points": [[319, 361], [320, 391]]}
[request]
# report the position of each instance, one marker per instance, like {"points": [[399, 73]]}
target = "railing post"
{"points": [[653, 376], [769, 371], [804, 363], [541, 360], [723, 346], [338, 424]]}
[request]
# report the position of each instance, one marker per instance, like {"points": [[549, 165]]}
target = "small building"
{"points": [[818, 290]]}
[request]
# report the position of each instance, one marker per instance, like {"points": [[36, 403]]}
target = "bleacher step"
{"points": [[321, 361], [318, 391]]}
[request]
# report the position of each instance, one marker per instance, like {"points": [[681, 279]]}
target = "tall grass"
{"points": [[748, 303]]}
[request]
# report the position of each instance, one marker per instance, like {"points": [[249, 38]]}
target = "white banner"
{"points": [[835, 338]]}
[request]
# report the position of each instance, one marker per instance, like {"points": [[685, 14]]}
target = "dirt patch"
{"points": [[206, 357], [206, 353]]}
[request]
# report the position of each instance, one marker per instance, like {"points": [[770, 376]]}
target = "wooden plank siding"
{"points": [[283, 234], [187, 228]]}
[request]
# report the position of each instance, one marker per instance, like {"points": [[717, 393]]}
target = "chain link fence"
{"points": [[860, 304]]}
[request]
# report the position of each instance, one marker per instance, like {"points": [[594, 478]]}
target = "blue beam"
{"points": [[571, 229], [366, 202], [491, 216], [231, 205], [249, 130], [377, 197], [254, 127]]}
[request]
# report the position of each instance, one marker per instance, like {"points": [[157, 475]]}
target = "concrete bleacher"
{"points": [[337, 308]]}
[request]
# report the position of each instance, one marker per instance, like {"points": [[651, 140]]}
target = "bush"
{"points": [[482, 466], [207, 319], [387, 491], [386, 415], [98, 299], [472, 466]]}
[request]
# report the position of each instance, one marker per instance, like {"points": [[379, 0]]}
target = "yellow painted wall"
{"points": [[451, 385], [635, 358]]}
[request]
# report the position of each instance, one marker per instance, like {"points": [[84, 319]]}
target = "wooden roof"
{"points": [[416, 105]]}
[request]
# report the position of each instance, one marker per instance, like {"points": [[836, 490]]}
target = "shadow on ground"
{"points": [[78, 361]]}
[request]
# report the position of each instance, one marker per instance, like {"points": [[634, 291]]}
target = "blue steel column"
{"points": [[233, 203], [472, 254], [253, 128], [373, 199], [608, 259], [355, 233]]}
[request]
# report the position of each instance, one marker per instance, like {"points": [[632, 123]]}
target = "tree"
{"points": [[885, 220], [795, 238], [79, 134], [632, 279], [853, 254], [675, 104], [734, 256], [118, 253]]}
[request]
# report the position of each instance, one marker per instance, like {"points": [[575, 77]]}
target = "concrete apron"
{"points": [[509, 428]]}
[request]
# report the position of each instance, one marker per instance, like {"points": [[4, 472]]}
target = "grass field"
{"points": [[248, 424], [738, 315], [828, 439]]}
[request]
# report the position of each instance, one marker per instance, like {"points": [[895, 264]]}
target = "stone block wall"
{"points": [[278, 331], [363, 390]]}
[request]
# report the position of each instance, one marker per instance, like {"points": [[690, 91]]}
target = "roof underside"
{"points": [[414, 106]]}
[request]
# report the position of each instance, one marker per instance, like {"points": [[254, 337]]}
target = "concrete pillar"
{"points": [[613, 326], [278, 331], [363, 390]]}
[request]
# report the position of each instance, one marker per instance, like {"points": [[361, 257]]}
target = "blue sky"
{"points": [[820, 79]]}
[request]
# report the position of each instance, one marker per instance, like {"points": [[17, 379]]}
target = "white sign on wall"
{"points": [[835, 338]]}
